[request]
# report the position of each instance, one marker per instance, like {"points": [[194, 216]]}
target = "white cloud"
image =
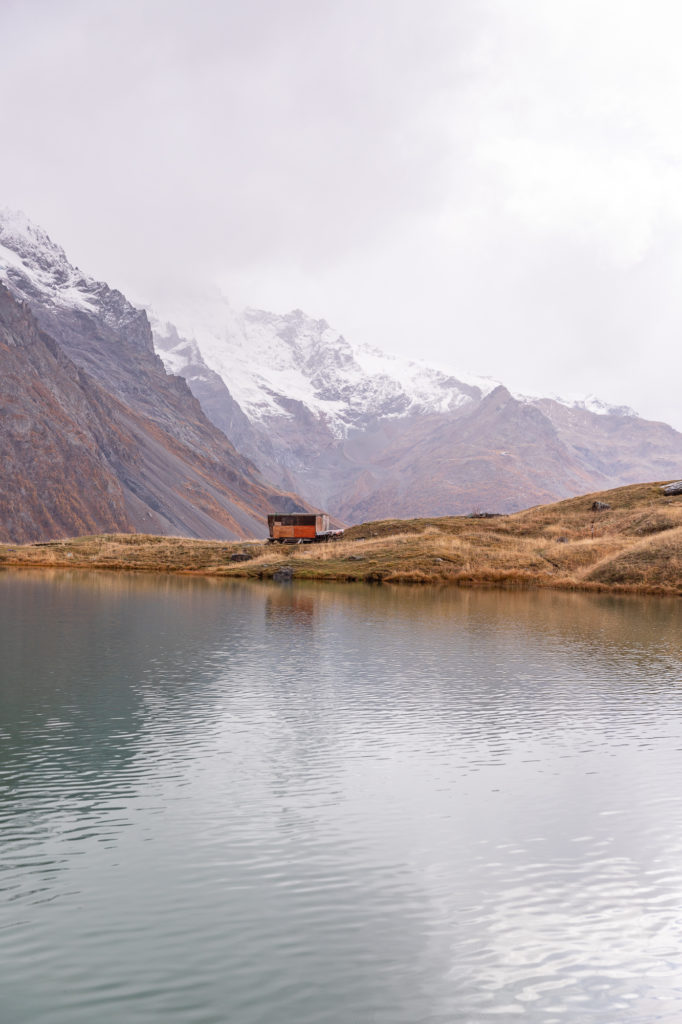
{"points": [[496, 183]]}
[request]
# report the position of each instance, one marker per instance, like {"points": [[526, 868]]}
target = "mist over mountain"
{"points": [[95, 434], [110, 422], [370, 435]]}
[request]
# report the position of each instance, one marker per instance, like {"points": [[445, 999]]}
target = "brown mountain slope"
{"points": [[77, 459], [371, 436], [50, 433], [498, 455]]}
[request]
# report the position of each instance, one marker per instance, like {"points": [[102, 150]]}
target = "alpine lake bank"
{"points": [[625, 540]]}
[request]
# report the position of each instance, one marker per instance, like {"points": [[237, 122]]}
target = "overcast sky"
{"points": [[494, 185]]}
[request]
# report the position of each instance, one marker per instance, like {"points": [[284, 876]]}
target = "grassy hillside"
{"points": [[636, 545]]}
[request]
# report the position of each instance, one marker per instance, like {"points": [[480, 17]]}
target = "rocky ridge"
{"points": [[95, 434]]}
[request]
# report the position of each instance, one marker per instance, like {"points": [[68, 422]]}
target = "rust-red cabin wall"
{"points": [[297, 526]]}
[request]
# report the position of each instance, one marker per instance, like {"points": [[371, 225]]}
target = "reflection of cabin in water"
{"points": [[300, 528], [287, 606]]}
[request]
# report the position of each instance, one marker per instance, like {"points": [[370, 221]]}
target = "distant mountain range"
{"points": [[372, 436], [99, 433]]}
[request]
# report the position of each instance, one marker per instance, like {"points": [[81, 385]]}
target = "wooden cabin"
{"points": [[300, 528]]}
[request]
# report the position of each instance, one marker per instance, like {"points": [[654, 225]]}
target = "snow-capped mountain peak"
{"points": [[273, 362], [36, 268], [17, 230], [28, 255], [583, 403], [590, 403]]}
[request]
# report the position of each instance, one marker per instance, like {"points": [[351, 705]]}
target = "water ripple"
{"points": [[325, 804]]}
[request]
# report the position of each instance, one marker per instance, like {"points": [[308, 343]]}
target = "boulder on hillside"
{"points": [[283, 575], [674, 488], [600, 506]]}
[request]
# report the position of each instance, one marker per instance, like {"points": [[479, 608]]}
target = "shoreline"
{"points": [[633, 546], [464, 583]]}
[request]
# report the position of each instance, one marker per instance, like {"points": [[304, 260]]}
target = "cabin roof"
{"points": [[294, 518]]}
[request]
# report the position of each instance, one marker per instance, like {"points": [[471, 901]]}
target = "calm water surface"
{"points": [[299, 804]]}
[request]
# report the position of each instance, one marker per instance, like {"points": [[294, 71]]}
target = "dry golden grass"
{"points": [[635, 546]]}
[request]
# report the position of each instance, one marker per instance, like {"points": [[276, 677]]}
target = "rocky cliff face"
{"points": [[95, 434], [56, 478], [368, 435]]}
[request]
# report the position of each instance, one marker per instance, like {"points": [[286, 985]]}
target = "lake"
{"points": [[249, 802]]}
